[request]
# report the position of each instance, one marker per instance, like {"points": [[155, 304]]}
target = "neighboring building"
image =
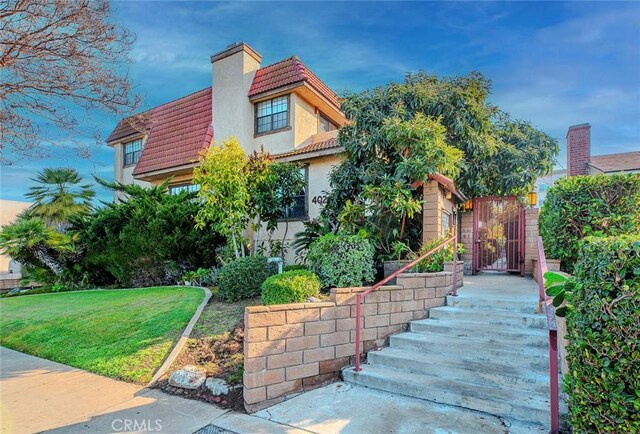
{"points": [[284, 108], [10, 270], [581, 162]]}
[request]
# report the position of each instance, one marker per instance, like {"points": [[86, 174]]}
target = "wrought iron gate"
{"points": [[498, 228]]}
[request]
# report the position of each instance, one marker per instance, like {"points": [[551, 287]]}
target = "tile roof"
{"points": [[177, 131], [319, 145], [289, 71], [617, 162]]}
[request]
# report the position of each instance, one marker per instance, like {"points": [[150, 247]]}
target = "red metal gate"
{"points": [[498, 228]]}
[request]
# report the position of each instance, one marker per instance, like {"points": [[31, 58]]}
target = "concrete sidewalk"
{"points": [[39, 395]]}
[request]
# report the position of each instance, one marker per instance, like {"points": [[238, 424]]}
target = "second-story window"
{"points": [[132, 151], [325, 124], [272, 115], [179, 188]]}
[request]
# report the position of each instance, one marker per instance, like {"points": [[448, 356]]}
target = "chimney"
{"points": [[233, 72], [578, 149]]}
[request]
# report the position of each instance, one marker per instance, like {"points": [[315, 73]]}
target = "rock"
{"points": [[313, 300], [188, 377], [217, 386]]}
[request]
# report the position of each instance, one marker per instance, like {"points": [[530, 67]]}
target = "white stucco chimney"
{"points": [[233, 72]]}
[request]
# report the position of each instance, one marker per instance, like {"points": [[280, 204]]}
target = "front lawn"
{"points": [[123, 334]]}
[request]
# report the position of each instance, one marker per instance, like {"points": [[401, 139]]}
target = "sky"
{"points": [[553, 64]]}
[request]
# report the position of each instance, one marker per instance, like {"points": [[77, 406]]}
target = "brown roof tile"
{"points": [[319, 145], [617, 162], [289, 71], [177, 131]]}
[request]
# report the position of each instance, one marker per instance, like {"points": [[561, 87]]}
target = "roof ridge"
{"points": [[617, 153], [171, 102]]}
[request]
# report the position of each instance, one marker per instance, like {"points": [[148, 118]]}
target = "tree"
{"points": [[58, 56], [401, 132], [59, 197], [31, 242], [223, 191]]}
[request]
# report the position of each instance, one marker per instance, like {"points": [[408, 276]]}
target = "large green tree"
{"points": [[400, 133]]}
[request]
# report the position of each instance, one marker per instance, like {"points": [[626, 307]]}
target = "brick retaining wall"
{"points": [[290, 348]]}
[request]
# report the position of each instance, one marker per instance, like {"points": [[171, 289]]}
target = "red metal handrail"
{"points": [[393, 275], [547, 302]]}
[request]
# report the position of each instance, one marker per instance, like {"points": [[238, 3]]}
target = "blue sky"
{"points": [[554, 64]]}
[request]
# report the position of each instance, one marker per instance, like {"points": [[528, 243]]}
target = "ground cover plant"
{"points": [[123, 334]]}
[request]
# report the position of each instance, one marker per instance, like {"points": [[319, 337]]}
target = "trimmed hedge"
{"points": [[342, 260], [243, 277], [603, 324], [290, 287], [582, 206]]}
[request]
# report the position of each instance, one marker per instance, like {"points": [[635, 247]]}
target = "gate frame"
{"points": [[521, 230]]}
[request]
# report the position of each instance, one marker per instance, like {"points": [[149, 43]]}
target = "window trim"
{"points": [[255, 117], [306, 200], [124, 152]]}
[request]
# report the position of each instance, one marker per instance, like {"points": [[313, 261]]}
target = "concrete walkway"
{"points": [[39, 395]]}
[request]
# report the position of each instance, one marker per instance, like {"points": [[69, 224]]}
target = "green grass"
{"points": [[123, 334]]}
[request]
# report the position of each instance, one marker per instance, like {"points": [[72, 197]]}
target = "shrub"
{"points": [[290, 287], [604, 337], [434, 262], [243, 277], [582, 206], [295, 267], [342, 260]]}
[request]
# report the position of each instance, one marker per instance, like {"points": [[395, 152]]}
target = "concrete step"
{"points": [[529, 377], [531, 337], [511, 403], [488, 316], [528, 305], [497, 352]]}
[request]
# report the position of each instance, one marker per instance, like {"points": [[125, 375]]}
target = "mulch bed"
{"points": [[220, 356]]}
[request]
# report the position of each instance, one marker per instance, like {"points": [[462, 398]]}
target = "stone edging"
{"points": [[183, 338]]}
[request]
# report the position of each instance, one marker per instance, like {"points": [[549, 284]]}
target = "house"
{"points": [[283, 108], [10, 270], [581, 162]]}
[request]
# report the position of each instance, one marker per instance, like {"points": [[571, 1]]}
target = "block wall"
{"points": [[291, 348]]}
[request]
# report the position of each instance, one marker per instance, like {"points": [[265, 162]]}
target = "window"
{"points": [[446, 222], [299, 208], [272, 115], [132, 151], [189, 188], [325, 124]]}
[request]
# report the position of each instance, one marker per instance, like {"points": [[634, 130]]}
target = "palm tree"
{"points": [[59, 196], [30, 237]]}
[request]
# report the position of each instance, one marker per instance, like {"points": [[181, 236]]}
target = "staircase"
{"points": [[487, 350]]}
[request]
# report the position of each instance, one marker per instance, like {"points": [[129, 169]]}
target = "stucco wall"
{"points": [[123, 174], [294, 347], [319, 170]]}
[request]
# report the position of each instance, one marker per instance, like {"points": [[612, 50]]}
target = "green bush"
{"points": [[243, 277], [603, 352], [434, 262], [582, 206], [342, 260], [295, 267], [290, 287]]}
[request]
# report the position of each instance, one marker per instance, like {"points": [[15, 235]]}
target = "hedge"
{"points": [[603, 331], [581, 206], [243, 277], [290, 287]]}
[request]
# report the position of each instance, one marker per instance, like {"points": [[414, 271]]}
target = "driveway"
{"points": [[39, 395]]}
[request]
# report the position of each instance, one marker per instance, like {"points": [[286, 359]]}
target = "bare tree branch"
{"points": [[59, 57]]}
